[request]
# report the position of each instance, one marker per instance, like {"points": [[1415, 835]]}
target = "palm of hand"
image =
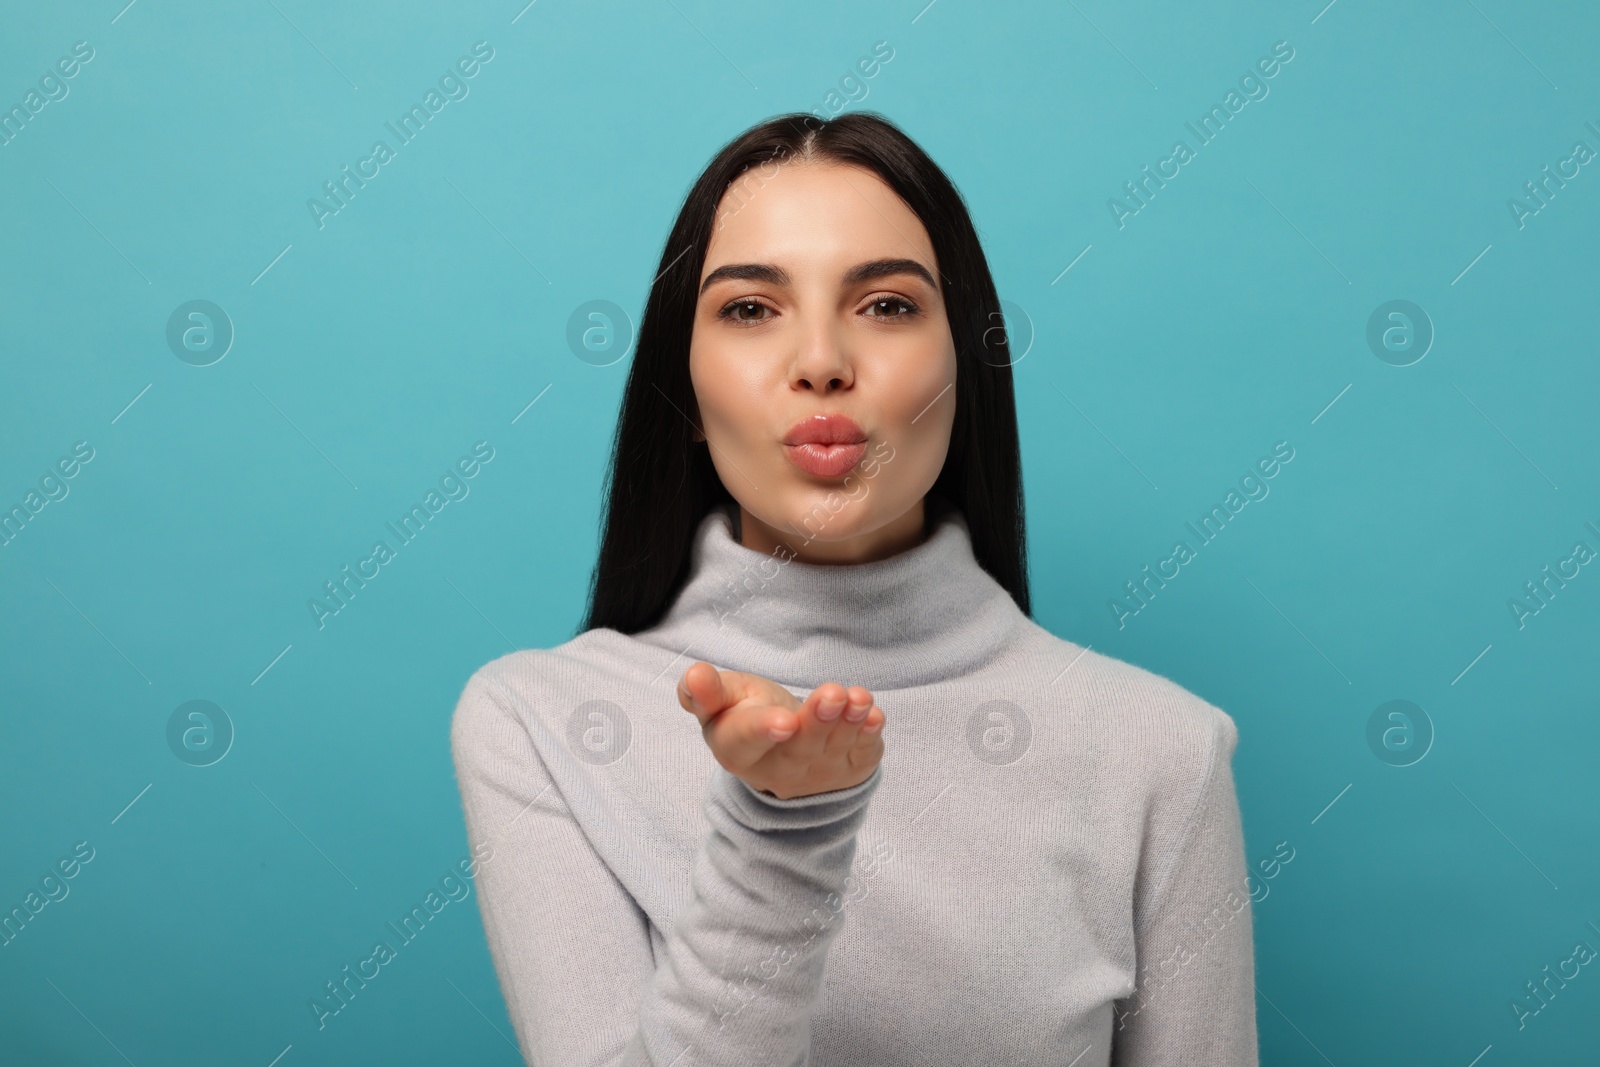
{"points": [[778, 743]]}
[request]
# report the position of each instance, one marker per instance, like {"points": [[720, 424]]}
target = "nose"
{"points": [[821, 363]]}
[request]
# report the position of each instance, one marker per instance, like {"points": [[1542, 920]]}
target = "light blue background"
{"points": [[1228, 315]]}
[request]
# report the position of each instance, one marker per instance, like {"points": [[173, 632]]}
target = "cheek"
{"points": [[708, 375], [918, 413], [920, 381], [729, 393]]}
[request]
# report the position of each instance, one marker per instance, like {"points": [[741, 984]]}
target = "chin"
{"points": [[827, 512]]}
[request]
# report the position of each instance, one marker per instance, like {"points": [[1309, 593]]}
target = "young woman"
{"points": [[902, 823]]}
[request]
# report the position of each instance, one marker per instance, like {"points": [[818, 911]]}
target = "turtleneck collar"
{"points": [[927, 614]]}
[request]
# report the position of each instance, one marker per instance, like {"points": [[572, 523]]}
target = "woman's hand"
{"points": [[779, 745]]}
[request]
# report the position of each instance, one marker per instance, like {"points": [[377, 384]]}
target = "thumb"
{"points": [[703, 691]]}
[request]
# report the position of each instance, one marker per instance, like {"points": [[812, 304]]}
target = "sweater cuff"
{"points": [[761, 812]]}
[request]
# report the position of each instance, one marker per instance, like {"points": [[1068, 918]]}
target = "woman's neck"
{"points": [[810, 542]]}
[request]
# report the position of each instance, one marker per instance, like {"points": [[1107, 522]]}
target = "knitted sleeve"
{"points": [[1195, 997], [742, 968]]}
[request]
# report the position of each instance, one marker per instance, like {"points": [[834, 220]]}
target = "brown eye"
{"points": [[899, 308], [743, 311]]}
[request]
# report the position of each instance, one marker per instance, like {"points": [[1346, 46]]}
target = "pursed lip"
{"points": [[834, 429]]}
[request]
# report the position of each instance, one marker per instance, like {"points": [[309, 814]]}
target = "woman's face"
{"points": [[820, 297]]}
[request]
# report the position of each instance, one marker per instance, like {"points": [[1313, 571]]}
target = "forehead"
{"points": [[822, 214]]}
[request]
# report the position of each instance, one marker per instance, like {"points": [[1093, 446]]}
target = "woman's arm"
{"points": [[1195, 998], [744, 963]]}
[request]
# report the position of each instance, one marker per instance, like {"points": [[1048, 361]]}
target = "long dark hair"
{"points": [[661, 482]]}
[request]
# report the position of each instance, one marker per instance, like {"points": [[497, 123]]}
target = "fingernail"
{"points": [[779, 734]]}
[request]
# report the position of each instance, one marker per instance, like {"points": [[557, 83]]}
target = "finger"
{"points": [[868, 748], [860, 703], [818, 716], [769, 703], [745, 737], [828, 701], [875, 721], [703, 692], [848, 728]]}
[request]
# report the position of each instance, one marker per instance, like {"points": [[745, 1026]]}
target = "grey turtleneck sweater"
{"points": [[1046, 869]]}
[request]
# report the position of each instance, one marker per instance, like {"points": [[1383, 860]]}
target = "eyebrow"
{"points": [[862, 272]]}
